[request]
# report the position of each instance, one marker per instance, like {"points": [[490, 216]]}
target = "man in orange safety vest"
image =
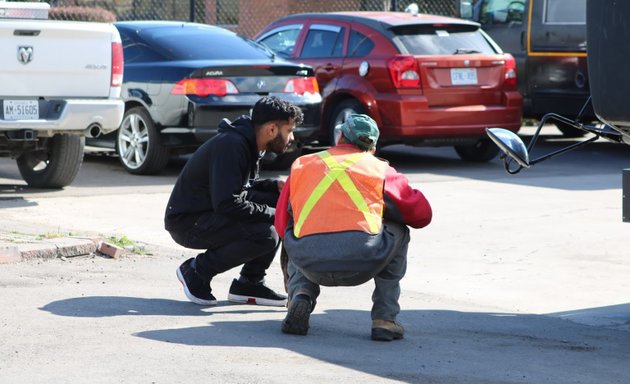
{"points": [[343, 215]]}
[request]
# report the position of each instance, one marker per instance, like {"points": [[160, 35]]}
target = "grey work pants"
{"points": [[387, 281]]}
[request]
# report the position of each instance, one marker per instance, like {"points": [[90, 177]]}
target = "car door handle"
{"points": [[329, 67]]}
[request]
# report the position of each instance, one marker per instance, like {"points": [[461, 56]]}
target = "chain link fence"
{"points": [[246, 17]]}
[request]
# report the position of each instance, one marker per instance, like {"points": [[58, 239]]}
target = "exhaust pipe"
{"points": [[93, 131]]}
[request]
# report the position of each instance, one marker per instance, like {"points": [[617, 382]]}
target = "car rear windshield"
{"points": [[192, 43], [442, 39]]}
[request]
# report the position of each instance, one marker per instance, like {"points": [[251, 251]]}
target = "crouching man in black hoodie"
{"points": [[219, 204]]}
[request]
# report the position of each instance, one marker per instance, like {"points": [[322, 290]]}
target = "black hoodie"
{"points": [[216, 176]]}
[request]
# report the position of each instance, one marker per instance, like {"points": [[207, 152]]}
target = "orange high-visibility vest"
{"points": [[337, 190]]}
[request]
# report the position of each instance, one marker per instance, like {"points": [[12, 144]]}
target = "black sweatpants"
{"points": [[228, 242]]}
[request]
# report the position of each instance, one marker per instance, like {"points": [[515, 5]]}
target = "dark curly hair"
{"points": [[271, 108]]}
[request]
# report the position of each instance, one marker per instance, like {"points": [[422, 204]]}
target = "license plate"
{"points": [[463, 76], [21, 110]]}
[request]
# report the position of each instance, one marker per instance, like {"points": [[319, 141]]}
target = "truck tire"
{"points": [[56, 166], [138, 144], [483, 150]]}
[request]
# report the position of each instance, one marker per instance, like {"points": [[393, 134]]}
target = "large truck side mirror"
{"points": [[515, 154]]}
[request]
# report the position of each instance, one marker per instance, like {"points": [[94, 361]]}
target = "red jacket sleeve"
{"points": [[404, 203], [281, 219]]}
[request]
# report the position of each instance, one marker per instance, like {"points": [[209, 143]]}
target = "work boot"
{"points": [[255, 293], [296, 321], [387, 330], [196, 289]]}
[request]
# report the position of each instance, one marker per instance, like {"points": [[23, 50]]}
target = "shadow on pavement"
{"points": [[109, 306], [439, 346], [612, 316], [15, 201]]}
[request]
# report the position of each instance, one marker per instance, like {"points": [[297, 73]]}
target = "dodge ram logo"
{"points": [[25, 54]]}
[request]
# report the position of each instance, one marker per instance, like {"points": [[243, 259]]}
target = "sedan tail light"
{"points": [[117, 64], [404, 72], [510, 72], [302, 85], [204, 87]]}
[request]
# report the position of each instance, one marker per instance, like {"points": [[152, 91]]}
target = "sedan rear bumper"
{"points": [[203, 119], [412, 121]]}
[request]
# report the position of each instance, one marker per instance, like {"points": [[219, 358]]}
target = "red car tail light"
{"points": [[510, 71], [302, 85], [204, 87], [404, 72], [117, 64]]}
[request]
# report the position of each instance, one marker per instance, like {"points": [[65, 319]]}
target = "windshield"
{"points": [[443, 39], [198, 43]]}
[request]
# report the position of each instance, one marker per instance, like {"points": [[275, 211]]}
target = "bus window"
{"points": [[565, 12]]}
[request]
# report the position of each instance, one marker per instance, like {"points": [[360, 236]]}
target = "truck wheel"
{"points": [[138, 144], [482, 150], [56, 166], [339, 115]]}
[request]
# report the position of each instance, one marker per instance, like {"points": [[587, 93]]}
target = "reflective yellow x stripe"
{"points": [[337, 172]]}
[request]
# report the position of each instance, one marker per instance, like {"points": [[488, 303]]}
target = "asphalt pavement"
{"points": [[519, 279]]}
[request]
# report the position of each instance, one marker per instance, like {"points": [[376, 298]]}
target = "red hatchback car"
{"points": [[427, 80]]}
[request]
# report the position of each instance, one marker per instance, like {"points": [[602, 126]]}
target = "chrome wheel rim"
{"points": [[133, 141]]}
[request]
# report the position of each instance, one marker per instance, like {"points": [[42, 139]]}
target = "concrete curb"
{"points": [[47, 249]]}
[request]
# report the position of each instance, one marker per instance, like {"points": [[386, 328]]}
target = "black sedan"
{"points": [[182, 79]]}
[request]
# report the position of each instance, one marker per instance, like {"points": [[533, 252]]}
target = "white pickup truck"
{"points": [[60, 81]]}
